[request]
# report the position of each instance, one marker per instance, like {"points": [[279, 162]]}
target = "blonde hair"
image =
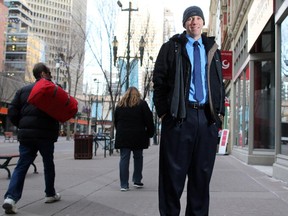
{"points": [[132, 97]]}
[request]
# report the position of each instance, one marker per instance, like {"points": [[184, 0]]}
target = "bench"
{"points": [[7, 159], [107, 143], [9, 136]]}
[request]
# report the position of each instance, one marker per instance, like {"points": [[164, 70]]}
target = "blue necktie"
{"points": [[197, 73]]}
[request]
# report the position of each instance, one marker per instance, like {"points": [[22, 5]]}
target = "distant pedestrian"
{"points": [[189, 97], [134, 126], [37, 131]]}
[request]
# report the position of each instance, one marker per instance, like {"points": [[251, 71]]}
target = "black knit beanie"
{"points": [[192, 11]]}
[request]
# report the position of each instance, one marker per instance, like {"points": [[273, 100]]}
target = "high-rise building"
{"points": [[168, 24], [3, 24], [50, 31], [61, 25], [17, 41]]}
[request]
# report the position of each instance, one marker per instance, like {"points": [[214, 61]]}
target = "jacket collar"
{"points": [[182, 39]]}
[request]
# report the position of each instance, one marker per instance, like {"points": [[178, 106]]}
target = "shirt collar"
{"points": [[191, 40]]}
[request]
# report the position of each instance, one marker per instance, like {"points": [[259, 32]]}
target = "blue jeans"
{"points": [[124, 166], [28, 152]]}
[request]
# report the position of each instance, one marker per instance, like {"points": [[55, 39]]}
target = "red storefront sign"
{"points": [[226, 57]]}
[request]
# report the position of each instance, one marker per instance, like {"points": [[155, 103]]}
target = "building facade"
{"points": [[53, 32], [62, 26], [17, 48], [3, 23], [280, 165], [256, 32]]}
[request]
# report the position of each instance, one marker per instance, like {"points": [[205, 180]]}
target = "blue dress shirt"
{"points": [[190, 51]]}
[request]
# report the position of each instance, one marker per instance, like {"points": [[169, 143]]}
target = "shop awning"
{"points": [[3, 110]]}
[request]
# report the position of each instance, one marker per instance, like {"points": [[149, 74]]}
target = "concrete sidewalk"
{"points": [[91, 187]]}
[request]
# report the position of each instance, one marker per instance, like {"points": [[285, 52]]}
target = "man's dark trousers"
{"points": [[187, 149]]}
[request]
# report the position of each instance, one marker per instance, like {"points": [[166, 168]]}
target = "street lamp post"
{"points": [[87, 111], [57, 69], [89, 114], [58, 60], [141, 49], [96, 111], [115, 43], [115, 48]]}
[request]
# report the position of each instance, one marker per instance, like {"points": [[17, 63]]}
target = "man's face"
{"points": [[193, 26]]}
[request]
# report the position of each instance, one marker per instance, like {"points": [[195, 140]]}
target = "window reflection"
{"points": [[264, 105], [242, 109], [284, 87]]}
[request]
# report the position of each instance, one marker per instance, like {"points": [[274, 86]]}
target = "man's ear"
{"points": [[42, 74]]}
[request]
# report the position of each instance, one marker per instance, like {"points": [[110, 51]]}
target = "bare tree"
{"points": [[72, 59], [149, 35], [102, 41], [106, 33]]}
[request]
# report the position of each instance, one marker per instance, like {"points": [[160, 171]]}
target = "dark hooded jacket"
{"points": [[166, 89], [32, 123]]}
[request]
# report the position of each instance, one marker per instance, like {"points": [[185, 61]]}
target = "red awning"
{"points": [[3, 110], [79, 121]]}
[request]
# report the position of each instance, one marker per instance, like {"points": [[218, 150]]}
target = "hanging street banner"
{"points": [[226, 57]]}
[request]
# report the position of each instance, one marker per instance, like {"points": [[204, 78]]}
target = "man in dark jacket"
{"points": [[37, 131], [189, 98]]}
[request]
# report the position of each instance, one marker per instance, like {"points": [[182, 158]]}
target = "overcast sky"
{"points": [[176, 6]]}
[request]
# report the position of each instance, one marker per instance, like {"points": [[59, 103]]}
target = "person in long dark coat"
{"points": [[134, 126]]}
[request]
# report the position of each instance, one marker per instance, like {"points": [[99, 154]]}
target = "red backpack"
{"points": [[53, 100]]}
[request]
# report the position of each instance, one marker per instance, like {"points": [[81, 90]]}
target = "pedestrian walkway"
{"points": [[91, 187]]}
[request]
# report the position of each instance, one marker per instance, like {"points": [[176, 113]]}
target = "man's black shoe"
{"points": [[138, 185]]}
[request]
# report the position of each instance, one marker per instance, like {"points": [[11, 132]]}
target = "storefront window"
{"points": [[284, 87], [264, 103], [246, 102], [241, 112], [238, 140]]}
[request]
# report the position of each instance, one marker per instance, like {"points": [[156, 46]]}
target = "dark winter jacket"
{"points": [[134, 126], [164, 77], [32, 123]]}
